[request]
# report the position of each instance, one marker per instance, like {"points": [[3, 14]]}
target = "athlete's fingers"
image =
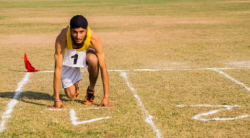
{"points": [[57, 105], [110, 105], [107, 105], [101, 104]]}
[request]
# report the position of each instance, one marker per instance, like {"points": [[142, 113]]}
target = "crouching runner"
{"points": [[75, 47]]}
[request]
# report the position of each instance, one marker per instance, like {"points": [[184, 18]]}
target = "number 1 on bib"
{"points": [[75, 58]]}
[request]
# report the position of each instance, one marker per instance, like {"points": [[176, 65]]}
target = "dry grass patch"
{"points": [[35, 40], [240, 64], [161, 92]]}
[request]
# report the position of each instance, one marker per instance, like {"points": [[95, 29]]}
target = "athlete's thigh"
{"points": [[70, 76]]}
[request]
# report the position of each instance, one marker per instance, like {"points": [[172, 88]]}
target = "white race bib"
{"points": [[74, 58]]}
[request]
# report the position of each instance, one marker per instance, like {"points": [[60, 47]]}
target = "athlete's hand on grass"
{"points": [[105, 103], [57, 105]]}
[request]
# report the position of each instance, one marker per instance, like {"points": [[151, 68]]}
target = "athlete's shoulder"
{"points": [[95, 42], [62, 36], [94, 36]]}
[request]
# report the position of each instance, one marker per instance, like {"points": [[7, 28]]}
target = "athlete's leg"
{"points": [[72, 92], [93, 68], [70, 81]]}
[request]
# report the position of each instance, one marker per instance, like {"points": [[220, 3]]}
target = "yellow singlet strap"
{"points": [[86, 42], [69, 40]]}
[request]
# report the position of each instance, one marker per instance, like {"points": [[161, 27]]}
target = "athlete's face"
{"points": [[78, 35]]}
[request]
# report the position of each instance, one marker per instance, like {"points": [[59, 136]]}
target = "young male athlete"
{"points": [[78, 46]]}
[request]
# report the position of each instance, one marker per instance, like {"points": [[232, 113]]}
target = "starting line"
{"points": [[157, 70], [91, 108], [9, 109]]}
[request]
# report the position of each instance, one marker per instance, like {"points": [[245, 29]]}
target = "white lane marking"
{"points": [[155, 70], [65, 109], [149, 118], [227, 107], [74, 121], [6, 115], [46, 71], [231, 78]]}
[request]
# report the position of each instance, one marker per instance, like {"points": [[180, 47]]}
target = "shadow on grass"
{"points": [[31, 96]]}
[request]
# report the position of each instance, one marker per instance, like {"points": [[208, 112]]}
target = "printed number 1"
{"points": [[75, 58]]}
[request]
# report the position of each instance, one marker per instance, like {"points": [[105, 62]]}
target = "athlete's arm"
{"points": [[59, 45], [97, 45]]}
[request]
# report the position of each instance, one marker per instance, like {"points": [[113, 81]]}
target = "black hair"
{"points": [[78, 21]]}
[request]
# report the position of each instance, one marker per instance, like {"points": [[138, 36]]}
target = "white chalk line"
{"points": [[9, 109], [231, 78], [74, 119], [149, 118], [156, 70], [91, 108], [227, 107]]}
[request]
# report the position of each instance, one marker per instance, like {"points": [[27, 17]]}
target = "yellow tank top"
{"points": [[86, 42]]}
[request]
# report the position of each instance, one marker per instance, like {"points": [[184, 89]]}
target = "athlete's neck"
{"points": [[76, 45]]}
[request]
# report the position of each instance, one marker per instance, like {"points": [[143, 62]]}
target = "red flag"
{"points": [[28, 66]]}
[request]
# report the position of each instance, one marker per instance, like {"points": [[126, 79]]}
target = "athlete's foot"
{"points": [[77, 92], [89, 98]]}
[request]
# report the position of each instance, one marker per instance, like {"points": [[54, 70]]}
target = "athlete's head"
{"points": [[78, 27]]}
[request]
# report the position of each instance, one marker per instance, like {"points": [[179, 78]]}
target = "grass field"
{"points": [[171, 64]]}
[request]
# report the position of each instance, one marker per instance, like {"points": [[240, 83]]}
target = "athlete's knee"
{"points": [[92, 60], [69, 94]]}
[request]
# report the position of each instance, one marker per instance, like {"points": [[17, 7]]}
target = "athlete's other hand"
{"points": [[57, 105], [105, 103]]}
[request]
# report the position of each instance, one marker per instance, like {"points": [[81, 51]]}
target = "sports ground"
{"points": [[177, 68]]}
